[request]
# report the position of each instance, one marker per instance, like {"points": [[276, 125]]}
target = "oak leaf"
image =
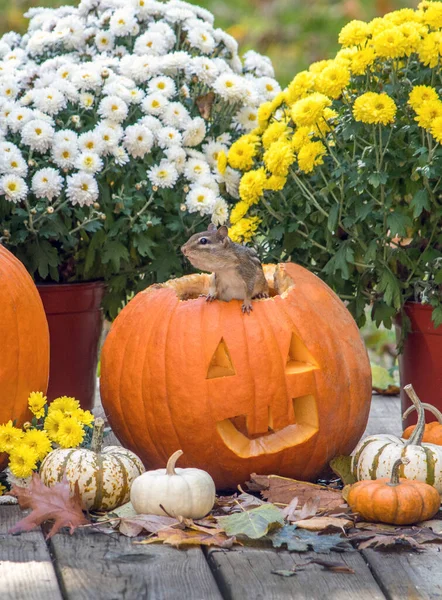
{"points": [[49, 504]]}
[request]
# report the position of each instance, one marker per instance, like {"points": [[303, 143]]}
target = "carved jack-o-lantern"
{"points": [[282, 390]]}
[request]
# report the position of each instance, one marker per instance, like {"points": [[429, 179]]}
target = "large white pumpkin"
{"points": [[104, 476]]}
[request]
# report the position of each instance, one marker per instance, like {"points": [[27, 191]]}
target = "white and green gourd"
{"points": [[104, 475], [375, 455]]}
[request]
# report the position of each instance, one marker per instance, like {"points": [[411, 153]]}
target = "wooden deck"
{"points": [[97, 566]]}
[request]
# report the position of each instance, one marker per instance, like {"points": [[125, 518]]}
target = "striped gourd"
{"points": [[104, 476], [375, 455]]}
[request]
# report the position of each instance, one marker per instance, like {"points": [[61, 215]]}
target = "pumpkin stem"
{"points": [[415, 438], [170, 468], [97, 435], [432, 409], [395, 471]]}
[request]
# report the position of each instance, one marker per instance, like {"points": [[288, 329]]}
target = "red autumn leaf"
{"points": [[48, 504]]}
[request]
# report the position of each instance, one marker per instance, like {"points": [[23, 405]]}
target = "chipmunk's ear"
{"points": [[212, 227], [222, 232]]}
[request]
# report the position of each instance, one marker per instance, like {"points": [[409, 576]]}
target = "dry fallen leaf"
{"points": [[335, 567], [324, 524], [204, 104], [49, 504], [186, 537], [292, 514], [133, 526]]}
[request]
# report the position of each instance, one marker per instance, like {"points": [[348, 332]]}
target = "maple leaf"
{"points": [[301, 540], [48, 504], [254, 523]]}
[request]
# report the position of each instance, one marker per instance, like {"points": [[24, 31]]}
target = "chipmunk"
{"points": [[236, 270]]}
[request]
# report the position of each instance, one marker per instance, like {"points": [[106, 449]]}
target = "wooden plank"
{"points": [[408, 575], [26, 571], [96, 566], [246, 573], [385, 415]]}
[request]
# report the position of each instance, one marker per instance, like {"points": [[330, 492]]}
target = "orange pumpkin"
{"points": [[282, 390], [394, 501], [432, 431], [24, 335]]}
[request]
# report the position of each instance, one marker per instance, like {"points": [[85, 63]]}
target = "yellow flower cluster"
{"points": [[63, 422], [295, 132]]}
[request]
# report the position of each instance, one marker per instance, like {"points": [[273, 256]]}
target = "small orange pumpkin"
{"points": [[394, 501], [281, 391], [24, 335], [432, 431]]}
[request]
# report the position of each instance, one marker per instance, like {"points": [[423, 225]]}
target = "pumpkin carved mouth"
{"points": [[235, 435]]}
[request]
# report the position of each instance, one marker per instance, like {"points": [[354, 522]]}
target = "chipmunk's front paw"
{"points": [[261, 295], [247, 307], [210, 297]]}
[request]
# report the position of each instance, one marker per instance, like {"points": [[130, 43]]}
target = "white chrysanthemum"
{"points": [[121, 157], [67, 70], [66, 136], [201, 199], [195, 132], [42, 116], [135, 95], [49, 100], [227, 40], [207, 181], [13, 187], [260, 65], [163, 85], [6, 108], [203, 68], [267, 88], [82, 189], [86, 100], [151, 43], [71, 30], [26, 99], [47, 183], [196, 168], [14, 164], [8, 149], [104, 40], [9, 88], [178, 14], [113, 108], [220, 212], [175, 61], [90, 162], [67, 88], [141, 68], [230, 87], [18, 117], [154, 104], [168, 136], [212, 150], [138, 140], [231, 179], [90, 142], [163, 175], [164, 29], [38, 135], [247, 118], [177, 156], [122, 22], [109, 138], [176, 115], [199, 37], [152, 123], [87, 77]]}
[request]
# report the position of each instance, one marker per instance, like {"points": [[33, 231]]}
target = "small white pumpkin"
{"points": [[187, 493], [104, 476], [375, 455]]}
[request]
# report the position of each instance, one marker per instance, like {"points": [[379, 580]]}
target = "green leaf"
{"points": [[341, 465], [144, 245], [398, 223], [436, 316], [438, 277], [301, 540], [420, 202], [333, 218], [381, 378], [340, 261], [389, 284], [45, 256], [114, 252], [377, 178], [254, 523]]}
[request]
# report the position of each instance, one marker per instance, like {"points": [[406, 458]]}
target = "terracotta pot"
{"points": [[75, 319], [421, 361]]}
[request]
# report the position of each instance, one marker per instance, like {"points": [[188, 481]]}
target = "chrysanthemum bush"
{"points": [[344, 171], [112, 116], [62, 424]]}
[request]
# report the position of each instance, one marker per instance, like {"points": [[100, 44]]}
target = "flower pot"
{"points": [[421, 361], [75, 319]]}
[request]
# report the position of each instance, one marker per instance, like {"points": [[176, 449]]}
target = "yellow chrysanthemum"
{"points": [[52, 423], [279, 157], [251, 186], [36, 402], [301, 85], [332, 80], [222, 162], [311, 155], [309, 110], [66, 404], [9, 437], [420, 94], [378, 25], [273, 132], [70, 433], [275, 183], [241, 154], [412, 37], [239, 211], [374, 108], [345, 56], [430, 49], [362, 59], [318, 66], [403, 15], [244, 230], [432, 16], [390, 43], [265, 111], [354, 33], [85, 417], [324, 125], [436, 129], [427, 112], [301, 136], [22, 461], [38, 441], [3, 489]]}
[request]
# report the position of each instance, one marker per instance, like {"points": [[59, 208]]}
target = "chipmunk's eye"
{"points": [[204, 241]]}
